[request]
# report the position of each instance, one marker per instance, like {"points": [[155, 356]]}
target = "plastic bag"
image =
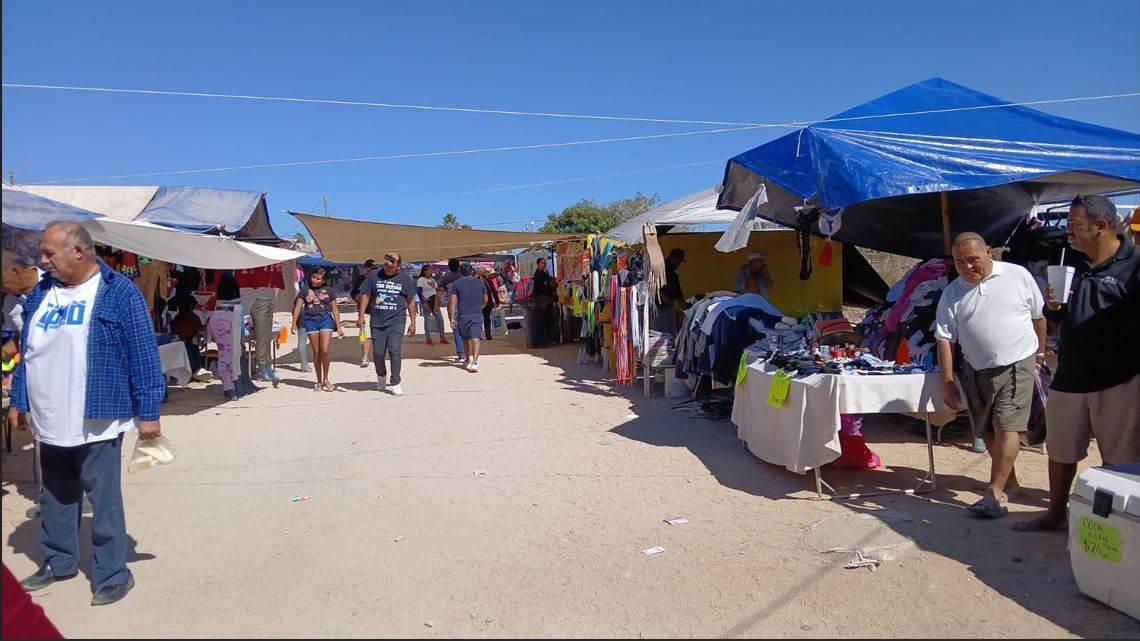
{"points": [[498, 323], [148, 453], [855, 455]]}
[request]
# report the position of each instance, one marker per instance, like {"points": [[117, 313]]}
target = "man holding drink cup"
{"points": [[1096, 390]]}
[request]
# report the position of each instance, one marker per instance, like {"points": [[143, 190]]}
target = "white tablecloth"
{"points": [[175, 362], [804, 433]]}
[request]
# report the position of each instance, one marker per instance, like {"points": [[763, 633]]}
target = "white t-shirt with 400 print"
{"points": [[55, 365]]}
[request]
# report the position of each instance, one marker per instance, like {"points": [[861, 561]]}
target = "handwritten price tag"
{"points": [[1100, 540], [742, 369], [778, 393]]}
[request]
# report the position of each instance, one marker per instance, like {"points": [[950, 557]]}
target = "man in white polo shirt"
{"points": [[995, 312]]}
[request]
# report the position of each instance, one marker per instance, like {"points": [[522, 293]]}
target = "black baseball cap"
{"points": [[369, 263]]}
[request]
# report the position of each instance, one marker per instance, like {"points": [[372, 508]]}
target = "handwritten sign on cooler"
{"points": [[1100, 540], [778, 393]]}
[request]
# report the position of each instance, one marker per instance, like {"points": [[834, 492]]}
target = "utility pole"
{"points": [[11, 178], [325, 200]]}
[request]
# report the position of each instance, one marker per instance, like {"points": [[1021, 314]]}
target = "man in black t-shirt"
{"points": [[391, 296], [361, 321]]}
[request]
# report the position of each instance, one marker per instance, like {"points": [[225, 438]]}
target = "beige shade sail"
{"points": [[354, 241]]}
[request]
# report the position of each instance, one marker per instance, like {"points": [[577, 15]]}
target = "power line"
{"points": [[744, 127], [514, 112], [429, 154]]}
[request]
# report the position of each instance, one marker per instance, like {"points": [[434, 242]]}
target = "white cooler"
{"points": [[1104, 535]]}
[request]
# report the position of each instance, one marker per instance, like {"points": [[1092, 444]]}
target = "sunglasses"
{"points": [[391, 260]]}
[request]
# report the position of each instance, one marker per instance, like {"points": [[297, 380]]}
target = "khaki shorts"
{"points": [[999, 396], [1111, 415]]}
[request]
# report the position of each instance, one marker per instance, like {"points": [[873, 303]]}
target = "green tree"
{"points": [[588, 217], [451, 222]]}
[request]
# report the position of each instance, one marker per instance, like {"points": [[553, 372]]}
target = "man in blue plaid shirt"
{"points": [[89, 371]]}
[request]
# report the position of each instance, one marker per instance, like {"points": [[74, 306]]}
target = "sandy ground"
{"points": [[399, 538]]}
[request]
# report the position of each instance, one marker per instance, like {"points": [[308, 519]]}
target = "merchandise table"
{"points": [[804, 434]]}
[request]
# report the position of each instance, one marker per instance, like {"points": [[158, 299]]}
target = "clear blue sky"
{"points": [[734, 61]]}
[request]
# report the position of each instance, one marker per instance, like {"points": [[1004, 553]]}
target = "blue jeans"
{"points": [[68, 473]]}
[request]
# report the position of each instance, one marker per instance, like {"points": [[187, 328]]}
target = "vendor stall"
{"points": [[796, 422]]}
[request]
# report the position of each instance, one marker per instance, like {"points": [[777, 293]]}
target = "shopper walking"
{"points": [[428, 291], [89, 371], [315, 312], [469, 296], [362, 321], [445, 283], [995, 312], [392, 296], [491, 285]]}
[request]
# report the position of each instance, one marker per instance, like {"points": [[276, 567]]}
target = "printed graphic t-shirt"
{"points": [[56, 362], [389, 297], [315, 303]]}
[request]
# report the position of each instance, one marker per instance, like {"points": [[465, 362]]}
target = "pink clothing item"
{"points": [[930, 271], [220, 330]]}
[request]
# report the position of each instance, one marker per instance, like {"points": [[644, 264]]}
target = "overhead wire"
{"points": [[516, 112]]}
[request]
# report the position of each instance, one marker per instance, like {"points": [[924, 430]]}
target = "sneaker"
{"points": [[430, 342], [396, 390], [444, 341], [203, 375], [473, 367], [231, 395], [364, 362]]}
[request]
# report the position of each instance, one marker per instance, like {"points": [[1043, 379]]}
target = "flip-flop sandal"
{"points": [[988, 508]]}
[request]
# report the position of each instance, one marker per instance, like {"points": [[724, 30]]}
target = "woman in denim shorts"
{"points": [[316, 308]]}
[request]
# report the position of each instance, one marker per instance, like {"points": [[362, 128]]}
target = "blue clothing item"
{"points": [[314, 324], [458, 340], [468, 292], [471, 327], [124, 374], [68, 473]]}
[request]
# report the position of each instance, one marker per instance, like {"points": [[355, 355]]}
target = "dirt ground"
{"points": [[400, 538]]}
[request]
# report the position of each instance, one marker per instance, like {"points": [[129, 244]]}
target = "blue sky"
{"points": [[732, 61]]}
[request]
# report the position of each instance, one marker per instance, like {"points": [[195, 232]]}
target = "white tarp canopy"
{"points": [[694, 209], [120, 203], [23, 210], [183, 248]]}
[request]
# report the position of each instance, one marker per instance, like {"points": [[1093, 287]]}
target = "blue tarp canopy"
{"points": [[887, 173], [32, 213]]}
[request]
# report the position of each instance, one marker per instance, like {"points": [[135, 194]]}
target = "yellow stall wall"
{"points": [[707, 269]]}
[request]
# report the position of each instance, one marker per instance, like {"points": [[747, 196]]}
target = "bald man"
{"points": [[995, 312]]}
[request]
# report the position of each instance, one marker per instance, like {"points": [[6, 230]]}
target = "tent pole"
{"points": [[945, 223]]}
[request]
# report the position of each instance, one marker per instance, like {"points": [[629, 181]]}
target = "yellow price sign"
{"points": [[778, 393], [742, 369], [1100, 540]]}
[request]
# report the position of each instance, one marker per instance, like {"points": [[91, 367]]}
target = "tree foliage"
{"points": [[589, 217], [451, 222]]}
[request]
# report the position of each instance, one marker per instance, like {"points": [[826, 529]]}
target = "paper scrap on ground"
{"points": [[653, 550], [297, 499], [479, 473], [676, 521], [632, 416]]}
